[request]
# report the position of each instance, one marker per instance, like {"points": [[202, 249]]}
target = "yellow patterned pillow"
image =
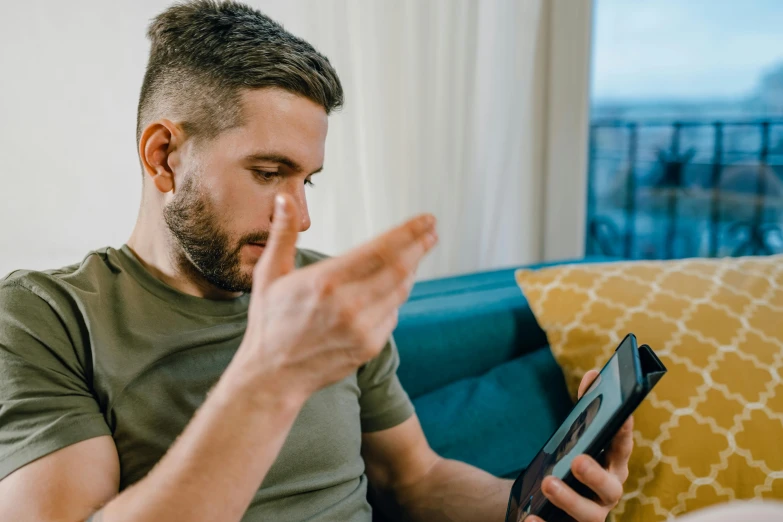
{"points": [[712, 429]]}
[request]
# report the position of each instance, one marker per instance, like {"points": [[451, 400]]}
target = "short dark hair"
{"points": [[205, 52]]}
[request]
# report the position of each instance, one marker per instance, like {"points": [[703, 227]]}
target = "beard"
{"points": [[204, 246]]}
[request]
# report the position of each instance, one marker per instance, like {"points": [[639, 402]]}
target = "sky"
{"points": [[683, 49]]}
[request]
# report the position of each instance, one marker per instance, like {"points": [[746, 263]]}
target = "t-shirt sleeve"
{"points": [[45, 399], [384, 403]]}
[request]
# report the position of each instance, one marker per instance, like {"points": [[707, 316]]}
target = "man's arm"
{"points": [[217, 464], [208, 462], [46, 488], [411, 482]]}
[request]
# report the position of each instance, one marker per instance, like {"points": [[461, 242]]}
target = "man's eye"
{"points": [[309, 182], [265, 175]]}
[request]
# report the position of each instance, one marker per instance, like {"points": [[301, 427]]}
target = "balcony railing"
{"points": [[674, 189]]}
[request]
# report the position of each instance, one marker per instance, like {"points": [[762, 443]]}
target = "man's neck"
{"points": [[163, 258]]}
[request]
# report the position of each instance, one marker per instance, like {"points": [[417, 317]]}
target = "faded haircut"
{"points": [[204, 53]]}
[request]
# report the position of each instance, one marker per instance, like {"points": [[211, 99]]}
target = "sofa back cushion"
{"points": [[460, 327]]}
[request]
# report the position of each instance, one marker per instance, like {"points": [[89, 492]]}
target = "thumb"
{"points": [[587, 380], [278, 257]]}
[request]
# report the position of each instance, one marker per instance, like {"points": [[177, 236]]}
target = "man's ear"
{"points": [[159, 150]]}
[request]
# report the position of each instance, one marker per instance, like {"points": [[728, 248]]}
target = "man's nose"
{"points": [[305, 215], [300, 196], [297, 192]]}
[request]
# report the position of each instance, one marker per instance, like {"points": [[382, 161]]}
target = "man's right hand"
{"points": [[312, 327]]}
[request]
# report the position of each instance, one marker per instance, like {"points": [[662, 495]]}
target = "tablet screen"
{"points": [[596, 407]]}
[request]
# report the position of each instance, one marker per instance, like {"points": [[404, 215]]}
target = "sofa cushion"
{"points": [[712, 429], [497, 421]]}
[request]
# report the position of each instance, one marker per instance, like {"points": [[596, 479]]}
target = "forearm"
{"points": [[453, 491], [214, 468]]}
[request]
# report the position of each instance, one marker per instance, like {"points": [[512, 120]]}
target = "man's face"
{"points": [[222, 209]]}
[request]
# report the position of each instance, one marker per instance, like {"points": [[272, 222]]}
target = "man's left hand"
{"points": [[605, 481]]}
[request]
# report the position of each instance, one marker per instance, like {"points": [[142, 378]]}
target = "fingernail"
{"points": [[555, 485], [432, 238], [280, 205]]}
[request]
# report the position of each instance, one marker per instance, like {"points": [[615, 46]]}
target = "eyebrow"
{"points": [[281, 159]]}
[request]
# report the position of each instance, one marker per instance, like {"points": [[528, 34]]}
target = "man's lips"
{"points": [[257, 246]]}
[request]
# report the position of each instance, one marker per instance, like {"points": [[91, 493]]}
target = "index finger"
{"points": [[620, 450], [384, 250]]}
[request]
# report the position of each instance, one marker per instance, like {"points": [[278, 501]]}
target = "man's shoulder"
{"points": [[306, 257], [84, 274]]}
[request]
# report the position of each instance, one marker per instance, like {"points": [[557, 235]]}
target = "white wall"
{"points": [[446, 112], [70, 73]]}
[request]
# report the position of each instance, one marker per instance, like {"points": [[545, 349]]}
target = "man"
{"points": [[194, 374]]}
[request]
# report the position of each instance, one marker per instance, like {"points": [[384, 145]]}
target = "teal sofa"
{"points": [[479, 370]]}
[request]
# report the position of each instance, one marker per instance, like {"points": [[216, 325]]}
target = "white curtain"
{"points": [[445, 109], [445, 113]]}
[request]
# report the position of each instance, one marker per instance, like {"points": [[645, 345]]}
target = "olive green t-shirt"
{"points": [[105, 348]]}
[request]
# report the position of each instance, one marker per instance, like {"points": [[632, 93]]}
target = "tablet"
{"points": [[625, 380]]}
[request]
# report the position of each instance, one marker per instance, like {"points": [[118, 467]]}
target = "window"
{"points": [[686, 130]]}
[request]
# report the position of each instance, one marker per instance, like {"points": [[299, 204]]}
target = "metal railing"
{"points": [[673, 189]]}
